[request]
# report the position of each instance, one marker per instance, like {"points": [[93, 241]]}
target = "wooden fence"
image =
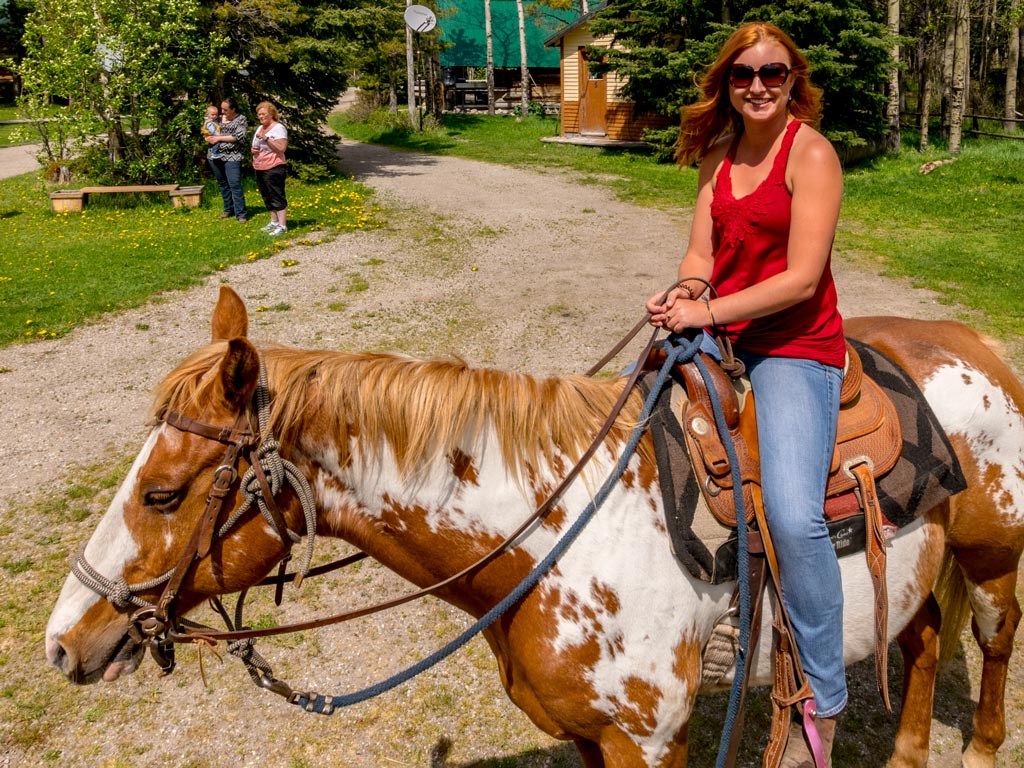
{"points": [[975, 129]]}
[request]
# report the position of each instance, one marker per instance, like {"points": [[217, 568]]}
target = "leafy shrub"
{"points": [[385, 119], [533, 109]]}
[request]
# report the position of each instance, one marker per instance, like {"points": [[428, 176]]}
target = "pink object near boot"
{"points": [[810, 741]]}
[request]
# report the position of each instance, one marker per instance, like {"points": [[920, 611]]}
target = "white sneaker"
{"points": [[269, 226], [279, 229]]}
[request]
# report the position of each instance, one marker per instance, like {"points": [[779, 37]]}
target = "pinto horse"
{"points": [[427, 465]]}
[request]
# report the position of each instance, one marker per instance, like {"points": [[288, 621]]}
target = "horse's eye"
{"points": [[162, 501]]}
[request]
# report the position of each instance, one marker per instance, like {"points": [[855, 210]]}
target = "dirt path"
{"points": [[531, 271], [15, 161]]}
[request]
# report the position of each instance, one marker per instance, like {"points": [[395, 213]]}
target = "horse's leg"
{"points": [[590, 753], [996, 616], [618, 750], [919, 643]]}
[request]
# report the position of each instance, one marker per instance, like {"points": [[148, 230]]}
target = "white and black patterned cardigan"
{"points": [[232, 152]]}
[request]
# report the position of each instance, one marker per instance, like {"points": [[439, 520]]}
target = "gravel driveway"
{"points": [[514, 269]]}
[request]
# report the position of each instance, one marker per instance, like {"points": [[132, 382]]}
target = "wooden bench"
{"points": [[73, 200]]}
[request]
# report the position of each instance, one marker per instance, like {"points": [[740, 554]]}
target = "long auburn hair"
{"points": [[706, 121]]}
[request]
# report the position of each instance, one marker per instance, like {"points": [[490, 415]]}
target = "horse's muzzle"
{"points": [[123, 659]]}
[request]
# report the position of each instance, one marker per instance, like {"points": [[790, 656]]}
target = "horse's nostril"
{"points": [[56, 654]]}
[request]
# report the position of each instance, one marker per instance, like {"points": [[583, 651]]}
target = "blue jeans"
{"points": [[797, 409], [229, 178]]}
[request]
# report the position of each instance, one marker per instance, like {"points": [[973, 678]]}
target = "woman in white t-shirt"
{"points": [[268, 147]]}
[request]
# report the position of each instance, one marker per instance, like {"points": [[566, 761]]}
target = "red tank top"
{"points": [[750, 237]]}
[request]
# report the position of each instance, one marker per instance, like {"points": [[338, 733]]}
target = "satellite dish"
{"points": [[420, 18]]}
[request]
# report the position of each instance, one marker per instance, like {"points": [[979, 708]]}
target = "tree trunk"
{"points": [[948, 69], [923, 108], [394, 67], [924, 49], [958, 89], [429, 76], [1012, 62], [892, 139], [436, 87], [489, 33], [524, 69]]}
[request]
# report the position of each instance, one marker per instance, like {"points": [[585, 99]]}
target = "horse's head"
{"points": [[157, 551]]}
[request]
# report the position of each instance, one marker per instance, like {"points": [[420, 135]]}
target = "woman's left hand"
{"points": [[684, 313]]}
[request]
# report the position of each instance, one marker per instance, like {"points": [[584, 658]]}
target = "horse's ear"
{"points": [[239, 372], [230, 320]]}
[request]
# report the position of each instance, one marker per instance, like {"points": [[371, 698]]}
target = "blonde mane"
{"points": [[420, 408]]}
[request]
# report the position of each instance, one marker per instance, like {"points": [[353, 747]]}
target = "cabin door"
{"points": [[593, 99]]}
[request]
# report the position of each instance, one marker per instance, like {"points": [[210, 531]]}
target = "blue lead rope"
{"points": [[677, 350], [735, 694]]}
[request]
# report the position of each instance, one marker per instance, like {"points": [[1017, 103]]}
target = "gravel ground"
{"points": [[529, 271]]}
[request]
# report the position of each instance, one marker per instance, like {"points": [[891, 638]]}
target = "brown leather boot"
{"points": [[798, 751]]}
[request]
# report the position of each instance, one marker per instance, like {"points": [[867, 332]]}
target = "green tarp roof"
{"points": [[461, 23]]}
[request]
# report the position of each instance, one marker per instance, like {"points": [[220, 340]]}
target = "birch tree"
{"points": [[958, 67], [948, 61], [926, 55], [524, 69], [892, 111], [1012, 62], [489, 34]]}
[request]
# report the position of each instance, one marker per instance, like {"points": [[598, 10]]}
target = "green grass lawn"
{"points": [[59, 270], [955, 230]]}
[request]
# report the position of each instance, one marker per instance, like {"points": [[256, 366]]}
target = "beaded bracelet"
{"points": [[689, 291]]}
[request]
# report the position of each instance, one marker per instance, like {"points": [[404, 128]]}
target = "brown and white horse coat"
{"points": [[427, 466]]}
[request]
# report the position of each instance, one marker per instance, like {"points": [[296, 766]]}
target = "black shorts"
{"points": [[271, 186]]}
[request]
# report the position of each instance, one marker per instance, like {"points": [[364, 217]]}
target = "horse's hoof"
{"points": [[975, 758]]}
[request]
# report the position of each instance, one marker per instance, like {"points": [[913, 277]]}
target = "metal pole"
{"points": [[410, 73]]}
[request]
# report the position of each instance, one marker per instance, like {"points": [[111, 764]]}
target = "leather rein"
{"points": [[159, 628], [540, 513]]}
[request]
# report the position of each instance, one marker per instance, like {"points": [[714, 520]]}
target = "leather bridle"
{"points": [[153, 625], [150, 623], [540, 513]]}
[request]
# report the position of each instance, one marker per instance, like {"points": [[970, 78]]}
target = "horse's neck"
{"points": [[451, 506], [426, 523]]}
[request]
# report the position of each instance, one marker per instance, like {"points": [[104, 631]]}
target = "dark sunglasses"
{"points": [[771, 75]]}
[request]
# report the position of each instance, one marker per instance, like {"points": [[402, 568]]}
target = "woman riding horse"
{"points": [[767, 205]]}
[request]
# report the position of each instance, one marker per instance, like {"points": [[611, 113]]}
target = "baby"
{"points": [[211, 127]]}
